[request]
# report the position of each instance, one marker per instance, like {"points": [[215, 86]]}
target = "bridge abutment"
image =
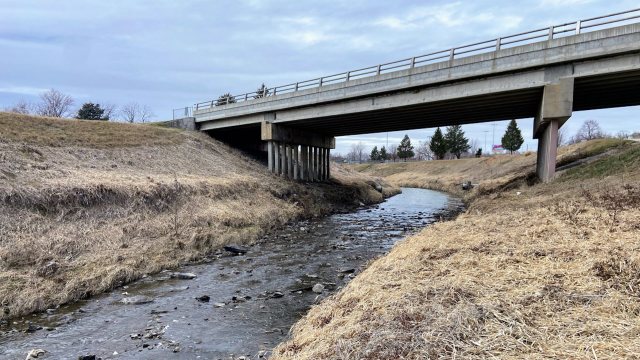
{"points": [[555, 109], [296, 154]]}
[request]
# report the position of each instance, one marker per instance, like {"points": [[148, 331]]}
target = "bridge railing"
{"points": [[524, 38], [182, 113]]}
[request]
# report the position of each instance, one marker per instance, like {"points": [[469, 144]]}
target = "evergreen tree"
{"points": [[91, 111], [479, 153], [383, 154], [375, 154], [512, 139], [438, 145], [455, 140], [261, 92], [225, 99], [405, 149]]}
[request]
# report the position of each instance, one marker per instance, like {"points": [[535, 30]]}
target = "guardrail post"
{"points": [[296, 87], [320, 83], [212, 103], [498, 44], [551, 30], [452, 54], [246, 96], [413, 62], [274, 91], [378, 70], [348, 75], [578, 24]]}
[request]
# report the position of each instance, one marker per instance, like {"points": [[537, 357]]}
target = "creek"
{"points": [[237, 305]]}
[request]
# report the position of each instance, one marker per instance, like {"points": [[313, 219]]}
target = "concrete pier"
{"points": [[556, 107], [297, 155]]}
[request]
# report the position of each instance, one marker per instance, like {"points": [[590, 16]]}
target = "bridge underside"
{"points": [[584, 93]]}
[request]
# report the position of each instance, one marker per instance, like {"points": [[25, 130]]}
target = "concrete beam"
{"points": [[276, 132], [556, 104]]}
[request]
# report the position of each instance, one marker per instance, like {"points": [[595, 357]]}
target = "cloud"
{"points": [[306, 38], [561, 3], [449, 15]]}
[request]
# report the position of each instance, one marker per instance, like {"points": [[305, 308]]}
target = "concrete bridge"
{"points": [[544, 74]]}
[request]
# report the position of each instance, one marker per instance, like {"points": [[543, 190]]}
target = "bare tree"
{"points": [[54, 104], [562, 136], [622, 134], [21, 107], [423, 152], [134, 112], [357, 152], [393, 153], [588, 131], [110, 111]]}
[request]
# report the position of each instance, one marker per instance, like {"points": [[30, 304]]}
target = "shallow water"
{"points": [[254, 298]]}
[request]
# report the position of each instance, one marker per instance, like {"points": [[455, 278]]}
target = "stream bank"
{"points": [[231, 305]]}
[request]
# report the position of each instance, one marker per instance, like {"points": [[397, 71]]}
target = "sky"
{"points": [[169, 54]]}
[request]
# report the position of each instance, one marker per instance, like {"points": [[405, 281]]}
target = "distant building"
{"points": [[498, 149]]}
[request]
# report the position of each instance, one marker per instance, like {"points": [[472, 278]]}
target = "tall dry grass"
{"points": [[543, 271], [88, 205]]}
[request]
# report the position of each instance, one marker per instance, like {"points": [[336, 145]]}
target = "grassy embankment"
{"points": [[528, 271], [88, 205]]}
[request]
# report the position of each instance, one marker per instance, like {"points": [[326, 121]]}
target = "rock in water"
{"points": [[33, 354], [236, 249], [318, 288], [183, 276], [136, 300], [203, 298]]}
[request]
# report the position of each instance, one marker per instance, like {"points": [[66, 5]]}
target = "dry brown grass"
{"points": [[489, 172], [543, 271], [86, 206]]}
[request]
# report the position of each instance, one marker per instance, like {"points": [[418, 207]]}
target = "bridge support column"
{"points": [[270, 155], [328, 164], [310, 164], [290, 161], [283, 159], [304, 159], [296, 163], [555, 109], [276, 157], [321, 164]]}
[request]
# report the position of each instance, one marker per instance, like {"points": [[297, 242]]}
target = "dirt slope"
{"points": [[542, 271], [88, 205]]}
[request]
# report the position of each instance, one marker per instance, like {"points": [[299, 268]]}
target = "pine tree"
{"points": [[225, 99], [91, 111], [261, 92], [455, 140], [383, 154], [375, 154], [438, 145], [405, 149], [512, 139], [479, 153]]}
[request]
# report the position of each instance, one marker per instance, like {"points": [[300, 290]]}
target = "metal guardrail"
{"points": [[524, 38], [182, 113]]}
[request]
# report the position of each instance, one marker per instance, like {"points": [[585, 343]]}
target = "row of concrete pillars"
{"points": [[299, 162]]}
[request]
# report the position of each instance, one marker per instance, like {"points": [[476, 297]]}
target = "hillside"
{"points": [[528, 271], [89, 205]]}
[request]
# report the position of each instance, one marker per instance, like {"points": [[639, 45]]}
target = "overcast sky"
{"points": [[169, 54]]}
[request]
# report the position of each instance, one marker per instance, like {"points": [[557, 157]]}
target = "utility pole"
{"points": [[493, 137], [485, 141]]}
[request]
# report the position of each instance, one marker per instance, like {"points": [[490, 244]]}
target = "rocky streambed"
{"points": [[237, 305]]}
